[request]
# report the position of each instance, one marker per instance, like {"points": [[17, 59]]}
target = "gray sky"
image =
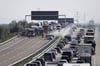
{"points": [[17, 9]]}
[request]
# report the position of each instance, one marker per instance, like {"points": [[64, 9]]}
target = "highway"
{"points": [[19, 48], [62, 32]]}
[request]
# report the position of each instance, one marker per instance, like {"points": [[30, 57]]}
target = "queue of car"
{"points": [[62, 54]]}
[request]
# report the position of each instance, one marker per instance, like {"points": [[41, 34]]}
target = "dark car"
{"points": [[62, 42], [31, 64], [60, 45], [65, 40], [80, 61], [74, 43], [66, 57], [78, 39], [60, 64], [90, 30], [38, 63], [88, 39], [68, 37], [41, 60], [69, 54], [49, 56], [49, 37], [89, 33], [74, 49], [58, 49], [54, 51]]}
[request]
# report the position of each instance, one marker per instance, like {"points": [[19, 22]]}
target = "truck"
{"points": [[85, 53], [88, 39]]}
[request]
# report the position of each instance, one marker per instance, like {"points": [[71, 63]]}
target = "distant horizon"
{"points": [[97, 23], [17, 9]]}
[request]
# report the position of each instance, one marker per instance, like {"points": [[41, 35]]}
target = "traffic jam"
{"points": [[74, 49]]}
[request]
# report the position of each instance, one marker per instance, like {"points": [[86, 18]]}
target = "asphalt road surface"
{"points": [[19, 48], [96, 57], [22, 47]]}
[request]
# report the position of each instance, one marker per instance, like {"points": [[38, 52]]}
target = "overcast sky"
{"points": [[17, 9]]}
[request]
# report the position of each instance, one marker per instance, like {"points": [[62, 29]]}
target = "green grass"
{"points": [[8, 37]]}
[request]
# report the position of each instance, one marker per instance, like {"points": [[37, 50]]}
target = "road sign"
{"points": [[44, 15]]}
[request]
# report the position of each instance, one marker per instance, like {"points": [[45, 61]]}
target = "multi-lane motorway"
{"points": [[19, 48]]}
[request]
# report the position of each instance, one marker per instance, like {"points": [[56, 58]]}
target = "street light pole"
{"points": [[77, 17]]}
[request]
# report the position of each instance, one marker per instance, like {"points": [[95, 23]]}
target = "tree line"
{"points": [[9, 30]]}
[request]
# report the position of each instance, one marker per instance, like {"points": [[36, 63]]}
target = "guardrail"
{"points": [[37, 53], [47, 48], [7, 41]]}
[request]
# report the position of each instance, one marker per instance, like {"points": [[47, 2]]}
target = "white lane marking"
{"points": [[9, 52], [12, 45], [23, 52]]}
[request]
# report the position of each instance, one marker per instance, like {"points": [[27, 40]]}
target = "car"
{"points": [[68, 37], [65, 57], [62, 42], [38, 63], [80, 34], [49, 56], [60, 45], [74, 49], [54, 51], [82, 30], [78, 39], [62, 61], [58, 27], [80, 61], [53, 54], [65, 40], [22, 33], [74, 42], [89, 33], [88, 39], [49, 37], [60, 64], [90, 30], [68, 53], [31, 64], [41, 60], [58, 49]]}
